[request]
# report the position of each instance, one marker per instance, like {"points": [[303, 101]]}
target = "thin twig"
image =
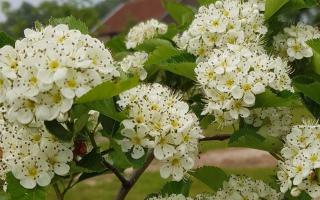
{"points": [[57, 190], [118, 174], [219, 137], [123, 192]]}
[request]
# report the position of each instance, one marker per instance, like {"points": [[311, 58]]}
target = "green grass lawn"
{"points": [[106, 187]]}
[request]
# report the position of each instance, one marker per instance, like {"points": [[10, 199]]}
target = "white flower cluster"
{"points": [[241, 187], [32, 154], [134, 64], [229, 22], [158, 119], [277, 120], [144, 31], [45, 71], [171, 197], [291, 43], [232, 78], [301, 159]]}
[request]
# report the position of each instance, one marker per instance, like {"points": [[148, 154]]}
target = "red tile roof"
{"points": [[129, 12]]}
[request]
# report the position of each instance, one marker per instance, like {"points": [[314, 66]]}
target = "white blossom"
{"points": [[143, 31], [223, 23], [44, 72], [160, 120], [134, 64], [291, 43], [301, 158]]}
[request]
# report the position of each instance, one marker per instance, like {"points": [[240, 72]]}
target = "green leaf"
{"points": [[248, 137], [272, 6], [17, 192], [213, 177], [308, 87], [296, 5], [151, 44], [92, 161], [182, 69], [118, 157], [173, 187], [206, 2], [56, 129], [107, 108], [108, 89], [161, 54], [206, 121], [80, 123], [109, 125], [72, 22], [5, 39], [315, 45], [182, 14], [282, 99], [116, 44], [4, 196]]}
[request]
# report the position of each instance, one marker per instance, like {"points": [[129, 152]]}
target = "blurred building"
{"points": [[131, 12]]}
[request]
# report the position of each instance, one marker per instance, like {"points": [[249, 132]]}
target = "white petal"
{"points": [[137, 152], [249, 98], [60, 74], [45, 76], [165, 171], [28, 183], [177, 173], [258, 88], [24, 116], [158, 152], [237, 92], [61, 169], [68, 93], [43, 179]]}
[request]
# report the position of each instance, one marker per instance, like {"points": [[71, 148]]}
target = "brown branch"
{"points": [[118, 174], [123, 192], [58, 193], [219, 137]]}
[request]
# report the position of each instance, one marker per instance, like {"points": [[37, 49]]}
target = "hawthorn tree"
{"points": [[154, 92]]}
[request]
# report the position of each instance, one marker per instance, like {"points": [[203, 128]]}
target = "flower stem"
{"points": [[125, 189], [58, 193]]}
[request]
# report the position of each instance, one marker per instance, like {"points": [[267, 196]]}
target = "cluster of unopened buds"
{"points": [[158, 119]]}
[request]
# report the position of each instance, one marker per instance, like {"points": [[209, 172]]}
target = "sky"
{"points": [[15, 4]]}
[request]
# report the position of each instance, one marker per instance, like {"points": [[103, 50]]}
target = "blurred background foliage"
{"points": [[89, 11]]}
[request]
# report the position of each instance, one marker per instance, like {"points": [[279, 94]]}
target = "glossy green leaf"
{"points": [[17, 192], [107, 108], [248, 137], [161, 54], [56, 129], [182, 69], [315, 45], [80, 123], [206, 2], [5, 39], [182, 14], [308, 87], [92, 161], [282, 99], [72, 22], [213, 177], [272, 6], [108, 89], [173, 187], [116, 44], [118, 157]]}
